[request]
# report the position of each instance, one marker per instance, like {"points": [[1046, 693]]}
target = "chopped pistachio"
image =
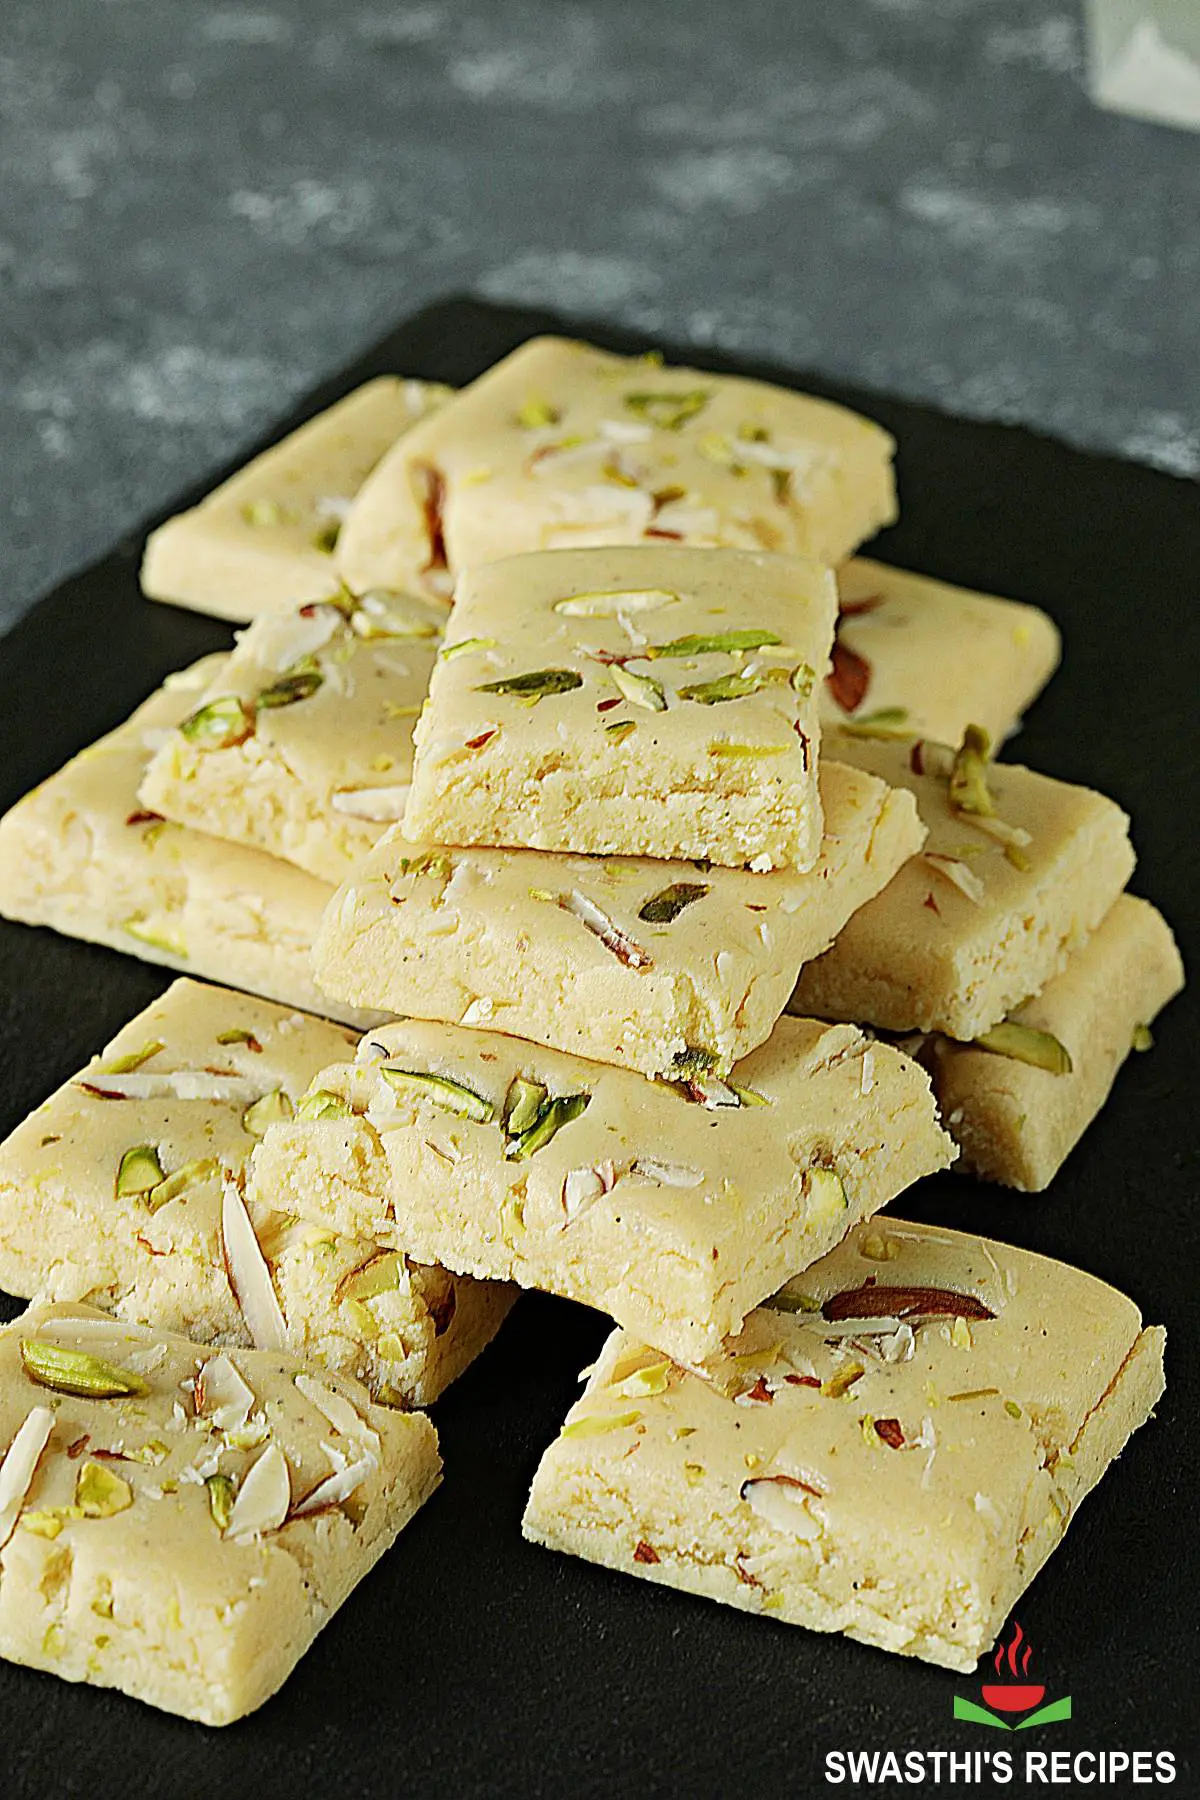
{"points": [[101, 1492], [1012, 1409], [536, 412], [639, 690], [715, 643], [239, 1035], [802, 678], [551, 1116], [190, 1174], [76, 1372], [271, 1109], [668, 411], [522, 1104], [665, 906], [325, 540], [301, 685], [1040, 1049], [380, 1275], [747, 1096], [133, 1059], [725, 687], [694, 1473], [537, 684], [841, 1381], [219, 725], [888, 722], [644, 1383], [264, 512], [441, 1091], [826, 1193], [968, 775], [608, 605], [620, 730], [751, 751], [592, 1424], [960, 1334], [428, 863], [220, 1499], [790, 1301], [138, 1171], [464, 647], [137, 926], [1143, 1038], [321, 1104]]}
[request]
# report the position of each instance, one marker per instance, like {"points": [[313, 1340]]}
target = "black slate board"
{"points": [[471, 1663]]}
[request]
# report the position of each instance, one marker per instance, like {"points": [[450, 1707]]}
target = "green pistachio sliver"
{"points": [[1143, 1038], [191, 1174], [607, 603], [271, 1109], [537, 684], [551, 1117], [789, 1301], [522, 1104], [325, 540], [686, 1065], [669, 411], [802, 678], [219, 725], [133, 1059], [264, 512], [322, 1104], [620, 731], [639, 690], [718, 643], [139, 1171], [536, 412], [441, 1091], [464, 647], [1040, 1049], [748, 1096], [592, 1424], [101, 1493], [239, 1035], [968, 774], [430, 862], [723, 748], [221, 1492], [669, 902], [725, 687], [301, 685], [888, 722], [75, 1372], [137, 927]]}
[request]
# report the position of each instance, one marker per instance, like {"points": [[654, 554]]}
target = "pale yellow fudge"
{"points": [[82, 855], [301, 745], [264, 540], [125, 1190], [674, 1208], [1018, 1106], [891, 1449], [178, 1522], [1016, 871], [647, 965], [562, 445], [647, 702], [919, 658]]}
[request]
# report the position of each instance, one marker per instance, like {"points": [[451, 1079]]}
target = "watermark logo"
{"points": [[1012, 1702]]}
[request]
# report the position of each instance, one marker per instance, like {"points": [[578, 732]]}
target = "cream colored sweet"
{"points": [[924, 659], [183, 1527], [646, 965], [990, 909], [1019, 1109], [562, 445], [82, 855], [892, 1461], [646, 702], [302, 743], [124, 1190], [263, 541], [673, 1208]]}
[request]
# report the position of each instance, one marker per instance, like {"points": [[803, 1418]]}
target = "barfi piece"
{"points": [[123, 1190], [1017, 870], [302, 744], [1019, 1107], [647, 702], [923, 659], [263, 541], [891, 1449], [82, 855], [673, 1208], [180, 1523], [647, 965], [561, 445]]}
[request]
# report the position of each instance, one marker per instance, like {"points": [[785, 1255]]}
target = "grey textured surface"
{"points": [[207, 207]]}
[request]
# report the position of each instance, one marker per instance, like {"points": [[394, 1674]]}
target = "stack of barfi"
{"points": [[649, 843]]}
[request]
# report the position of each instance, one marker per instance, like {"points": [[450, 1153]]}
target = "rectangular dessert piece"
{"points": [[1018, 1103], [648, 965], [82, 855], [675, 1208], [648, 702], [891, 1449], [124, 1190], [562, 446], [263, 541], [919, 658], [302, 744], [1017, 870], [178, 1522]]}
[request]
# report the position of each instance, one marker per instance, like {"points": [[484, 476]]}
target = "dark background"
{"points": [[471, 1663]]}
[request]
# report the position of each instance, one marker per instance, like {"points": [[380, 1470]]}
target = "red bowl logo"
{"points": [[1012, 1697]]}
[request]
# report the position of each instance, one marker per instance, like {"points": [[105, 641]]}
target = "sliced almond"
{"points": [[782, 1501], [264, 1498], [20, 1466], [223, 1395], [249, 1275], [335, 1488], [381, 805], [176, 1084]]}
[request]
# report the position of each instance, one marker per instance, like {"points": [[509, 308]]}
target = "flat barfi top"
{"points": [[672, 1207], [180, 1523], [656, 702], [891, 1448], [643, 964], [302, 744]]}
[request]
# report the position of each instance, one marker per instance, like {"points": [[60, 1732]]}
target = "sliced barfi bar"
{"points": [[1018, 1101], [302, 744], [673, 1208], [919, 658], [561, 445], [649, 702], [891, 1449], [264, 540], [178, 1522], [647, 965], [81, 854], [125, 1190], [1016, 871]]}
